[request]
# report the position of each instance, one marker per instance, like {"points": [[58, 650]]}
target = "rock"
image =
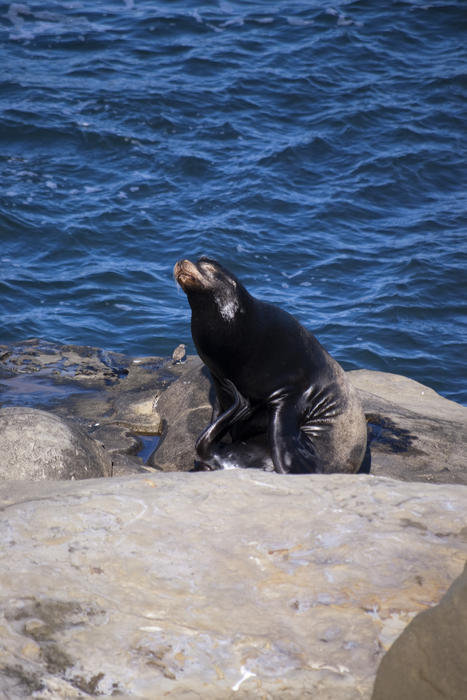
{"points": [[407, 394], [108, 395], [429, 660], [230, 584], [416, 434], [74, 362], [138, 412], [226, 584], [37, 444], [186, 408], [122, 431]]}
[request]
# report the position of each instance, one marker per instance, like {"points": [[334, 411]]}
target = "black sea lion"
{"points": [[285, 403]]}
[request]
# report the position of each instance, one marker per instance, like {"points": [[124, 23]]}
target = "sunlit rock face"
{"points": [[429, 660], [218, 585]]}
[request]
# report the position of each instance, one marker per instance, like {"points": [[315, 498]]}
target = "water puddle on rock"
{"points": [[149, 444], [40, 392]]}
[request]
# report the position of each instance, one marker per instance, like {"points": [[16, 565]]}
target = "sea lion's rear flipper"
{"points": [[292, 451]]}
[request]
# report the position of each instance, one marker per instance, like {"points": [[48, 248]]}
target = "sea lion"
{"points": [[284, 401]]}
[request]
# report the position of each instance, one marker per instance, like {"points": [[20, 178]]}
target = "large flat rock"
{"points": [[235, 584]]}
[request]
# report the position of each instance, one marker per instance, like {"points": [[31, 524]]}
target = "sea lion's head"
{"points": [[207, 281]]}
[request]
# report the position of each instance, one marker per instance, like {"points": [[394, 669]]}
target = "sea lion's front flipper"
{"points": [[207, 441]]}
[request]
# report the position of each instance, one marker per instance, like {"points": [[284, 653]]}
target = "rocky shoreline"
{"points": [[224, 584], [133, 405]]}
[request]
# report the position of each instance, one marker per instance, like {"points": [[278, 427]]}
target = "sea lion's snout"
{"points": [[187, 275], [178, 267]]}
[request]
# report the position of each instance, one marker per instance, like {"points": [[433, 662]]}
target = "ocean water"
{"points": [[318, 149]]}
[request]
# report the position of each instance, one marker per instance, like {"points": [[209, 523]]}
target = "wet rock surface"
{"points": [[229, 584], [74, 362], [111, 396]]}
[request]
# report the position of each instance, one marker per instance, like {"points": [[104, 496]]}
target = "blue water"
{"points": [[317, 149]]}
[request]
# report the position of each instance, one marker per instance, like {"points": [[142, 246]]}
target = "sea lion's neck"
{"points": [[219, 326]]}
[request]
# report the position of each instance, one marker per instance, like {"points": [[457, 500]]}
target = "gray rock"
{"points": [[416, 434], [186, 409], [429, 660], [73, 362], [37, 444], [230, 584], [110, 396]]}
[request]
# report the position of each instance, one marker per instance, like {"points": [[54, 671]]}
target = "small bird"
{"points": [[179, 354]]}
